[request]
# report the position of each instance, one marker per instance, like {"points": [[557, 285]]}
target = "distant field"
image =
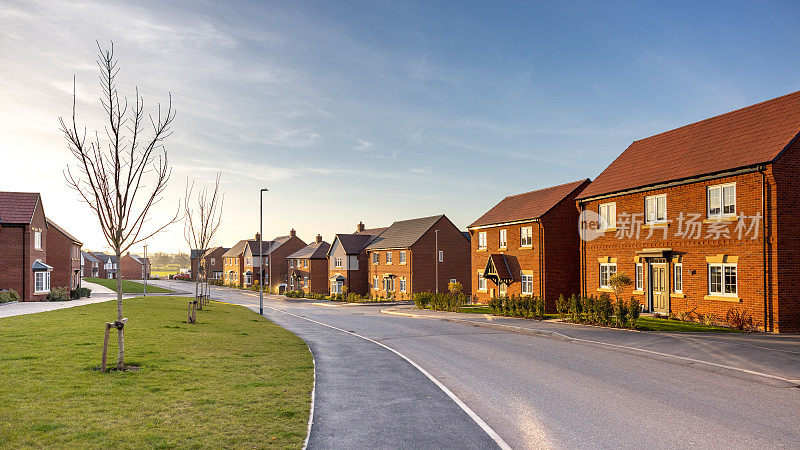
{"points": [[128, 287], [163, 273]]}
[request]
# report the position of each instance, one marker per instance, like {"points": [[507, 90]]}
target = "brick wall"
{"points": [[395, 268], [691, 199], [456, 264], [129, 268], [518, 258], [12, 265], [61, 255], [785, 242]]}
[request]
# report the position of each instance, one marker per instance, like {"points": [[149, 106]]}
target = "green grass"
{"points": [[128, 286], [671, 325], [234, 379]]}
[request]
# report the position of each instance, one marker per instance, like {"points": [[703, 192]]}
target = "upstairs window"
{"points": [[722, 200], [376, 258], [388, 257], [37, 240], [608, 215], [403, 257], [655, 208], [503, 239], [337, 262], [482, 240], [526, 237], [441, 256]]}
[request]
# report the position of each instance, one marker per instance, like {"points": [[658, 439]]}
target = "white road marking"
{"points": [[475, 417]]}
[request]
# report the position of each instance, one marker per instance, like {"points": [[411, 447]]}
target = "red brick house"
{"points": [[348, 268], [211, 262], [418, 255], [241, 263], [521, 246], [702, 217], [64, 254], [134, 267], [308, 268], [90, 266], [23, 246], [108, 265]]}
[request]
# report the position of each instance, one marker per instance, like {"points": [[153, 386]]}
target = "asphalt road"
{"points": [[533, 391]]}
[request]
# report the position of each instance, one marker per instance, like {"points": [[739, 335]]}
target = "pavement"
{"points": [[775, 355], [402, 381]]}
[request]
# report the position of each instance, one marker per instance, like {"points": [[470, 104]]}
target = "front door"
{"points": [[659, 286]]}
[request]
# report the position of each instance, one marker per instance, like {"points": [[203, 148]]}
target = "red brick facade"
{"points": [[64, 254], [548, 264], [133, 267], [767, 276]]}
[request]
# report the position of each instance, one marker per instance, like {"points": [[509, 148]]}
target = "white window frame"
{"points": [[248, 278], [37, 240], [655, 208], [305, 281], [402, 284], [610, 269], [376, 258], [482, 283], [375, 282], [337, 262], [723, 268], [607, 213], [45, 282], [482, 240], [503, 236], [677, 278], [526, 237], [388, 257], [402, 257], [441, 256], [639, 277], [720, 202], [526, 284]]}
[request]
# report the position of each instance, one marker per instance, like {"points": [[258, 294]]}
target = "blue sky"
{"points": [[380, 111]]}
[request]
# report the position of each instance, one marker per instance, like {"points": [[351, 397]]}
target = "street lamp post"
{"points": [[261, 251], [436, 256]]}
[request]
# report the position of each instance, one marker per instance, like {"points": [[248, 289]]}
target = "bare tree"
{"points": [[201, 222], [123, 176]]}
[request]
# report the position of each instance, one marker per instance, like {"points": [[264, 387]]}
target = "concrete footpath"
{"points": [[769, 355]]}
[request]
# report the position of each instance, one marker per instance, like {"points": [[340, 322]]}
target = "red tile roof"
{"points": [[17, 207], [527, 206], [745, 137]]}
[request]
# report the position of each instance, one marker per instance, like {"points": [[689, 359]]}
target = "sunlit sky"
{"points": [[378, 111]]}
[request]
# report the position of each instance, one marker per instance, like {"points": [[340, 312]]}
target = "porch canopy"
{"points": [[497, 270], [337, 278], [39, 266]]}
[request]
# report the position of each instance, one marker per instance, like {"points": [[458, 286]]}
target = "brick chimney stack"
{"points": [[319, 238], [360, 227], [292, 233]]}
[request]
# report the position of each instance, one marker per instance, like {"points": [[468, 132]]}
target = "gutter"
{"points": [[764, 238], [541, 260]]}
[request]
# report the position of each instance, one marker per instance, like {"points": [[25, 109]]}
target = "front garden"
{"points": [[128, 286], [233, 379]]}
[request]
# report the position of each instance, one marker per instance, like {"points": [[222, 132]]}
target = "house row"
{"points": [[35, 253], [701, 218]]}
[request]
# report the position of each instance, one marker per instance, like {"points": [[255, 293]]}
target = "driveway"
{"points": [[532, 391]]}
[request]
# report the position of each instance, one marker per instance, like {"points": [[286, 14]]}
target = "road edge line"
{"points": [[474, 416]]}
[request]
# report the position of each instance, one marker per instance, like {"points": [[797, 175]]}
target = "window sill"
{"points": [[483, 290], [526, 247], [656, 225], [721, 219], [606, 230], [602, 289], [677, 295], [40, 292], [402, 264], [481, 250], [505, 247], [638, 292], [723, 298]]}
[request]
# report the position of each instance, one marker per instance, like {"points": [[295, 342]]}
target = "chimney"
{"points": [[292, 233], [360, 227], [258, 236], [319, 238]]}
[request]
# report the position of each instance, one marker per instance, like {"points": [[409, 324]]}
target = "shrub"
{"points": [[618, 282], [562, 306], [455, 287], [621, 311], [59, 294], [575, 308], [539, 308], [9, 295], [423, 300], [79, 293], [590, 309], [603, 309], [740, 319], [633, 312]]}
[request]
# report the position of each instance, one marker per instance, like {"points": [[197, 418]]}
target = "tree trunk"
{"points": [[120, 328]]}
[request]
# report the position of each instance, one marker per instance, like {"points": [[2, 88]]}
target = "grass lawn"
{"points": [[234, 379], [128, 286], [653, 324]]}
